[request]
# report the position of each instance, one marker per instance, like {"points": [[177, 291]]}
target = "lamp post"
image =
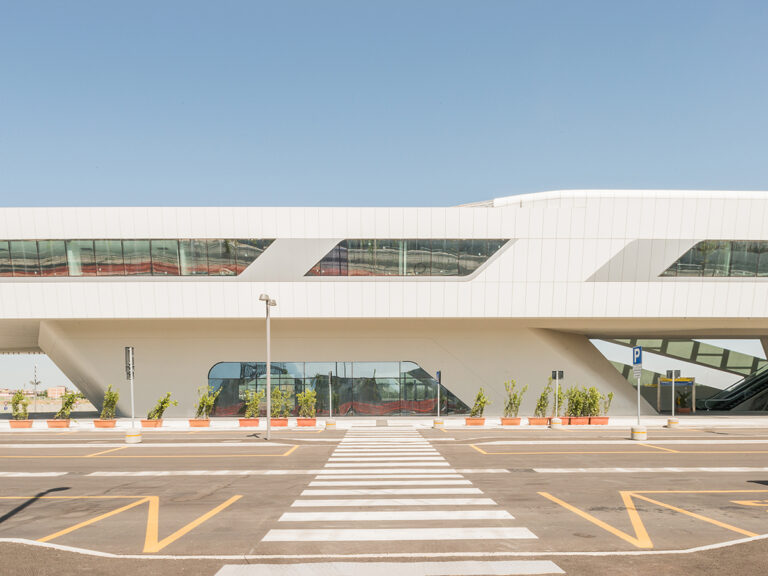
{"points": [[269, 302], [556, 422], [35, 383], [674, 375]]}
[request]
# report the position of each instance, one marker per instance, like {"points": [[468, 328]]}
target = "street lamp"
{"points": [[269, 302]]}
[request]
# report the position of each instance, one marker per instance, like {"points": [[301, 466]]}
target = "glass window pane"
{"points": [[80, 258], [24, 258], [692, 262], [137, 258], [221, 258], [389, 258], [5, 259], [718, 257], [165, 257], [361, 257], [418, 257], [494, 246], [247, 251], [681, 349], [194, 257], [109, 257], [53, 258], [762, 258], [445, 257], [743, 259], [472, 254]]}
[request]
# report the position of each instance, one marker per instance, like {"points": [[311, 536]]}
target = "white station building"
{"points": [[381, 299]]}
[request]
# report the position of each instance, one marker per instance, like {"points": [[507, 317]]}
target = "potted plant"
{"points": [[19, 412], [606, 402], [206, 399], [280, 409], [155, 417], [252, 402], [61, 418], [476, 414], [542, 405], [107, 418], [512, 405], [307, 405], [577, 406]]}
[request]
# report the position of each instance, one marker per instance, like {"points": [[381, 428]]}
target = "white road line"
{"points": [[371, 473], [322, 482], [399, 515], [383, 464], [30, 474], [463, 568], [363, 469], [394, 534], [382, 476], [625, 442], [384, 451], [665, 469], [387, 502], [29, 446], [384, 458], [391, 491]]}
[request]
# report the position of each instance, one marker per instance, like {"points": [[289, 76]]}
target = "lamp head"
{"points": [[264, 297], [272, 303]]}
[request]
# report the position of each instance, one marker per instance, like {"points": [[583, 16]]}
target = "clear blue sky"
{"points": [[376, 103]]}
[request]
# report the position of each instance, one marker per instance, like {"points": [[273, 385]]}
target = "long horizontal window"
{"points": [[724, 258], [204, 257], [356, 388], [406, 257]]}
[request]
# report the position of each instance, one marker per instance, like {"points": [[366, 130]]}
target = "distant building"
{"points": [[56, 392]]}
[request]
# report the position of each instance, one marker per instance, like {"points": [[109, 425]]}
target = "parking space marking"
{"points": [[108, 454], [598, 452], [93, 520], [106, 451], [659, 448]]}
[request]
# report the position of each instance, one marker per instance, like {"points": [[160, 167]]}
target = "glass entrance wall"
{"points": [[358, 388]]}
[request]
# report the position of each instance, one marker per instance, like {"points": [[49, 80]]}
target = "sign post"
{"points": [[673, 374], [638, 432], [438, 421], [133, 436], [330, 423], [556, 422]]}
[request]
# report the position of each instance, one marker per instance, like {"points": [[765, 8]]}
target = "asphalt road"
{"points": [[475, 501]]}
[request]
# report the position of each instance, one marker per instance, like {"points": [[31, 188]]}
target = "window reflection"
{"points": [[109, 257], [138, 261], [81, 258], [731, 258], [24, 258], [5, 259], [193, 256], [221, 258], [53, 258]]}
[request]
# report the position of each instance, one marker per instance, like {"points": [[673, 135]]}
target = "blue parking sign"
{"points": [[637, 356]]}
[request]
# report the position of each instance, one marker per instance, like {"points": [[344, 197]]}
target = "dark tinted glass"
{"points": [[138, 261], [445, 257], [193, 255], [109, 257], [222, 260], [472, 254], [5, 259], [53, 258], [80, 258], [165, 257], [24, 258]]}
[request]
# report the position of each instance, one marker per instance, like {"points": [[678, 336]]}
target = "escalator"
{"points": [[748, 394]]}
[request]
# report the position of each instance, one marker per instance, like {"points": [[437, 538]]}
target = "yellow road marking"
{"points": [[93, 520], [106, 451], [289, 452], [659, 448], [483, 451]]}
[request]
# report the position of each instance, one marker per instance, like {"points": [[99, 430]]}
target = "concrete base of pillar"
{"points": [[438, 423], [330, 423], [673, 423], [556, 423], [133, 436], [639, 433]]}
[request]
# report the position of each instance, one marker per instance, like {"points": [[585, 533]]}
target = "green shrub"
{"points": [[162, 405], [607, 403], [67, 403], [514, 399], [542, 404], [19, 405], [575, 400], [252, 402], [206, 400], [481, 401], [110, 402], [591, 401], [280, 403], [307, 402]]}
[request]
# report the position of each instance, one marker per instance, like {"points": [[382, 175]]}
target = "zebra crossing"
{"points": [[395, 478]]}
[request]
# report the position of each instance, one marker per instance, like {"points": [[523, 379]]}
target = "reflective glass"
{"points": [[53, 258], [193, 257], [445, 257], [138, 261], [109, 257], [165, 257], [418, 257], [472, 254], [743, 259], [361, 256], [5, 259], [762, 258], [246, 252], [222, 260], [718, 258], [80, 258], [390, 258], [24, 258]]}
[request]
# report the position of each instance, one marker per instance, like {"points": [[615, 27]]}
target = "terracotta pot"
{"points": [[21, 423], [245, 422], [510, 421], [199, 423], [565, 420], [306, 421], [58, 423], [579, 420], [683, 410], [279, 421], [151, 423], [99, 423], [603, 420], [470, 421], [538, 421]]}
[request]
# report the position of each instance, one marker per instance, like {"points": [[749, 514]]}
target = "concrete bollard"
{"points": [[438, 423], [673, 423], [556, 423], [639, 433], [330, 424], [133, 436]]}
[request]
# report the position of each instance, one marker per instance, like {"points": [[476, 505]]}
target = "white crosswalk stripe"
{"points": [[453, 568]]}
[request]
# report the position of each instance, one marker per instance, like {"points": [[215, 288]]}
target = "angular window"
{"points": [[445, 257], [472, 254], [137, 258], [418, 257], [24, 258], [761, 249], [248, 251], [193, 255], [722, 258], [53, 258], [80, 258], [361, 255], [109, 257], [5, 259], [744, 259], [165, 257], [222, 260], [390, 260], [718, 258]]}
